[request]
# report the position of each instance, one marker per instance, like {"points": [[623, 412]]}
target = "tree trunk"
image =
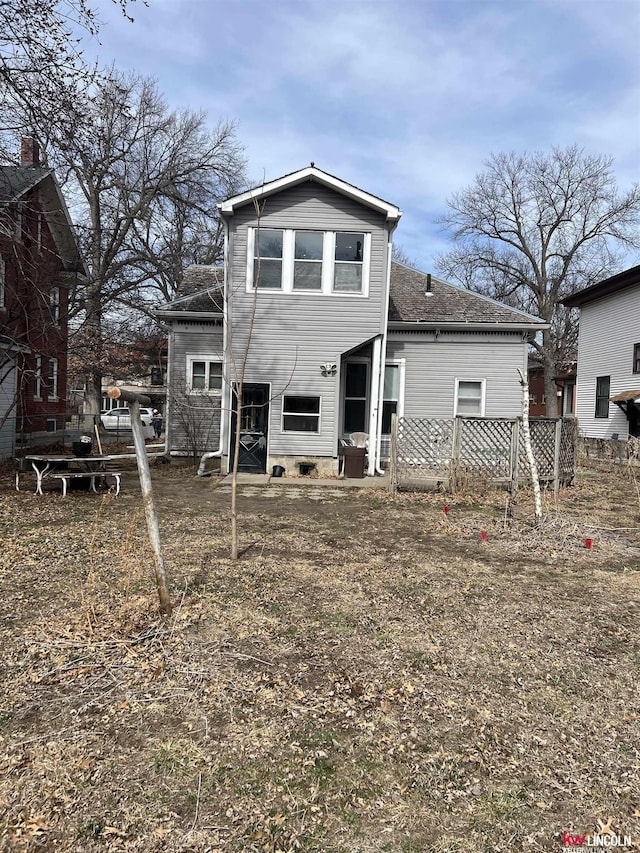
{"points": [[550, 372]]}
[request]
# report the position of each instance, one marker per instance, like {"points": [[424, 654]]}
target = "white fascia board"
{"points": [[391, 212], [188, 315]]}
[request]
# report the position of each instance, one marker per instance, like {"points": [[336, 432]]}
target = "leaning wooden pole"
{"points": [[134, 401]]}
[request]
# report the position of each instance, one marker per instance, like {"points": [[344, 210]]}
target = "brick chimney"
{"points": [[29, 152]]}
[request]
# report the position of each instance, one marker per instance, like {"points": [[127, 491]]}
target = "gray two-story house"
{"points": [[329, 336]]}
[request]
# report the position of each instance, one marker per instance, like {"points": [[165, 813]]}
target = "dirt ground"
{"points": [[369, 676]]}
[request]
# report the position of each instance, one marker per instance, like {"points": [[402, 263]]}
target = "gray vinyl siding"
{"points": [[432, 366], [609, 327], [193, 419], [7, 395], [294, 333]]}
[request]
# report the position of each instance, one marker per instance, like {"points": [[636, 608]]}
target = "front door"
{"points": [[254, 424]]}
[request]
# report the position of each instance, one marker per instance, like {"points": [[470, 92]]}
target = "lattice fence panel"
{"points": [[485, 447], [543, 441], [424, 447], [568, 446]]}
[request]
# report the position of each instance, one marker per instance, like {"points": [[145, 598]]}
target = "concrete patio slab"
{"points": [[381, 482]]}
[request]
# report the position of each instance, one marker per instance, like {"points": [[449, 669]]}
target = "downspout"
{"points": [[217, 454], [383, 360]]}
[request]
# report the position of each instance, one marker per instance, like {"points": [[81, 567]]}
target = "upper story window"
{"points": [[52, 379], [307, 268], [347, 269], [17, 223], [636, 358], [37, 379], [326, 262], [54, 304], [2, 283], [603, 388], [267, 259]]}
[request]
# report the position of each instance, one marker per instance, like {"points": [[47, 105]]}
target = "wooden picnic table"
{"points": [[66, 468]]}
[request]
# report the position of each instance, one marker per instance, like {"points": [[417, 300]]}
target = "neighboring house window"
{"points": [[355, 397], [52, 379], [300, 414], [636, 358], [327, 262], [18, 222], [391, 403], [54, 304], [39, 232], [470, 397], [2, 284], [37, 379], [347, 270], [603, 387], [267, 259], [203, 375], [307, 268]]}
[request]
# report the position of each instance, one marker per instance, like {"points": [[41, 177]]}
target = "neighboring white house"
{"points": [[608, 381], [341, 337]]}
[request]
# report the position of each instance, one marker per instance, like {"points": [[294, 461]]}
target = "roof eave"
{"points": [[188, 315], [310, 173], [457, 325]]}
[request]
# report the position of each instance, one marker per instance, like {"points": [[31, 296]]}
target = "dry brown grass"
{"points": [[369, 676]]}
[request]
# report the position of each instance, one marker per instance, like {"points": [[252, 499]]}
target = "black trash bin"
{"points": [[83, 446], [354, 462], [277, 471]]}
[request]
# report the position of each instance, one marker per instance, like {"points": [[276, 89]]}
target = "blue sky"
{"points": [[405, 99]]}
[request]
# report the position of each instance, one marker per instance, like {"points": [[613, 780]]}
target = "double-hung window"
{"points": [[470, 397], [37, 379], [52, 379], [204, 376], [391, 400], [267, 258], [300, 414], [603, 387], [347, 268], [307, 264]]}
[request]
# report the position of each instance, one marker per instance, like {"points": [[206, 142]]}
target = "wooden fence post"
{"points": [[455, 454], [393, 462], [556, 456], [515, 456], [134, 401]]}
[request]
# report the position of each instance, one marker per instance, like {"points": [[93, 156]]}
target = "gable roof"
{"points": [[448, 305], [311, 173], [200, 293], [16, 181], [613, 284]]}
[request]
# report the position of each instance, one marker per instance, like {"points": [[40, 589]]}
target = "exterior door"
{"points": [[254, 425]]}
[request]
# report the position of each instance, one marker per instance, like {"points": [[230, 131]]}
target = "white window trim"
{"points": [[208, 358], [483, 395], [54, 390], [328, 261], [305, 414], [37, 388], [401, 363]]}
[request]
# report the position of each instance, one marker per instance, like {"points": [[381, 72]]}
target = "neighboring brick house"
{"points": [[39, 263], [566, 390]]}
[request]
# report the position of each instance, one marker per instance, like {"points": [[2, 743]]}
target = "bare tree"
{"points": [[140, 179], [534, 228]]}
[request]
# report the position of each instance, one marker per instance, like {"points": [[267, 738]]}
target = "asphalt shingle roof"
{"points": [[447, 304], [16, 180], [200, 290]]}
